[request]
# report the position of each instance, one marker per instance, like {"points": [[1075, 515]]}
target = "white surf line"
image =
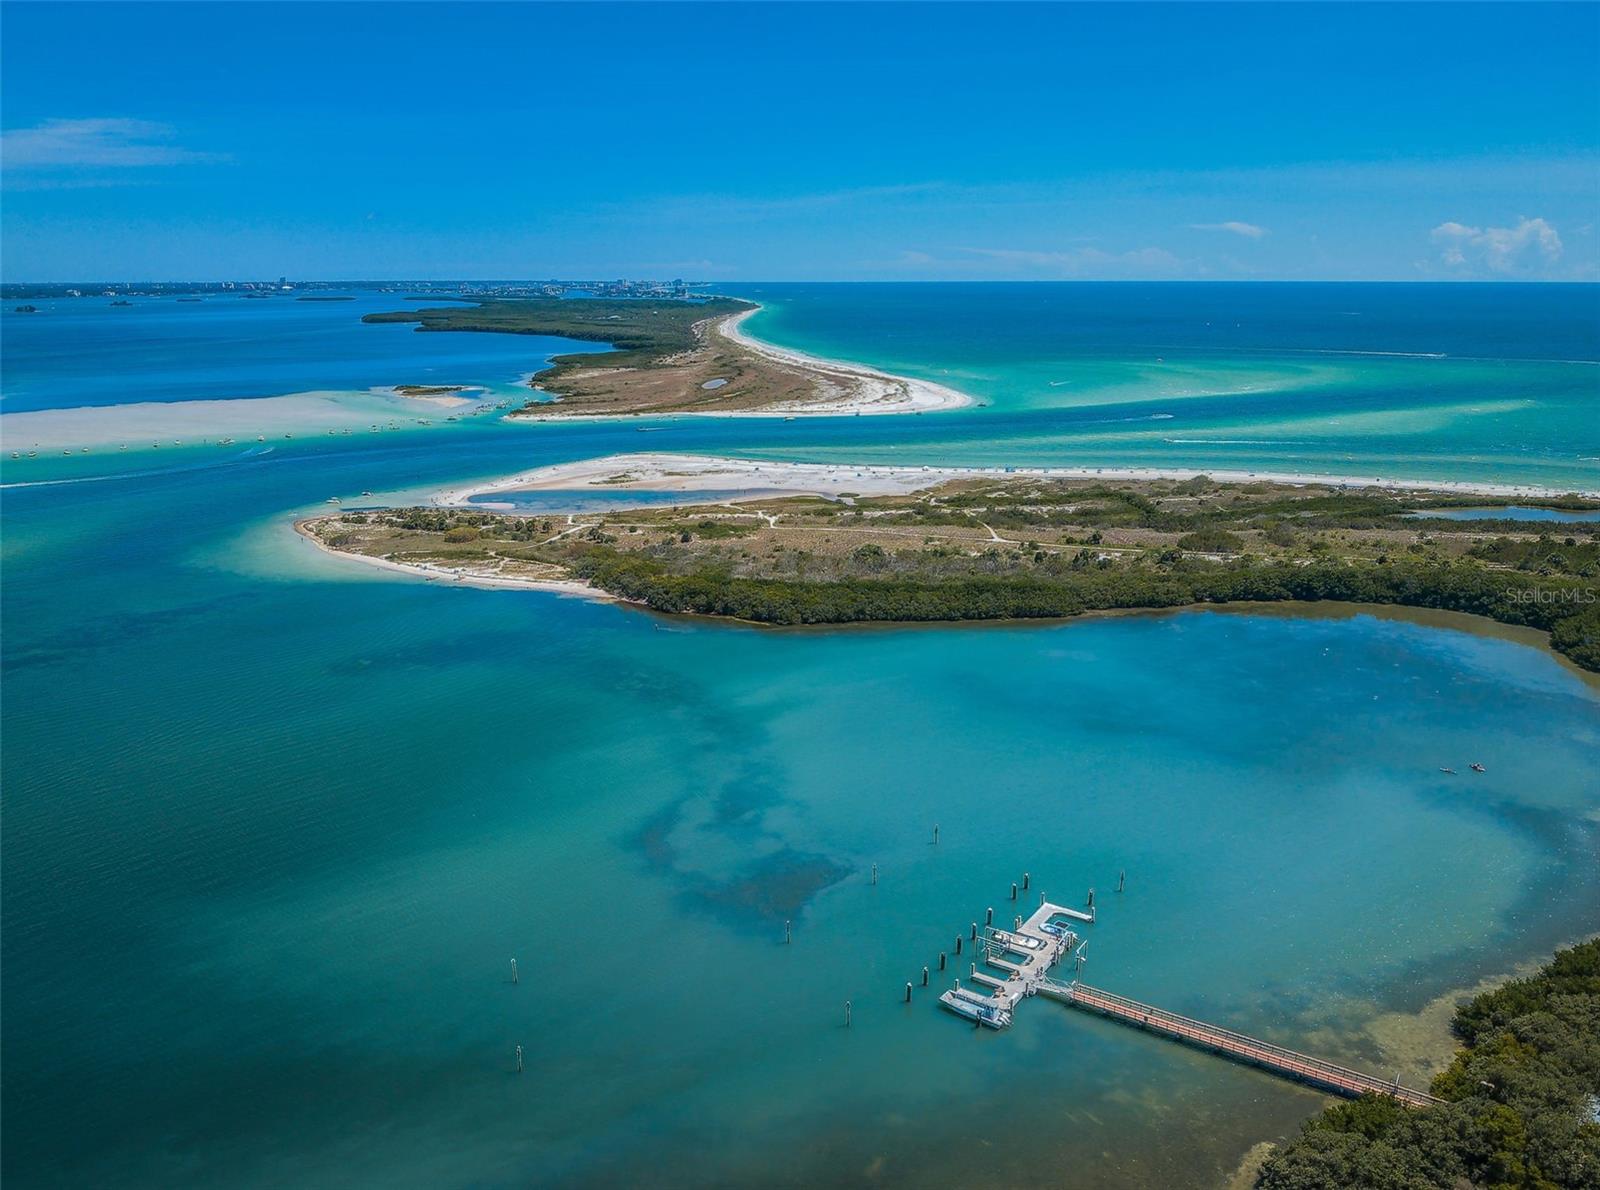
{"points": [[754, 478], [885, 391], [851, 390]]}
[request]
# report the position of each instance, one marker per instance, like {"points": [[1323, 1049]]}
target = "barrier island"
{"points": [[1007, 548]]}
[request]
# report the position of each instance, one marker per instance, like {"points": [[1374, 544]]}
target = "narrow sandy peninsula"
{"points": [[678, 357], [665, 472], [728, 373]]}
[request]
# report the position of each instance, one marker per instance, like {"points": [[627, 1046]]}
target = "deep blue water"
{"points": [[84, 351]]}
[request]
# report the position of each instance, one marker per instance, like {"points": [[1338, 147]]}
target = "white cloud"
{"points": [[1505, 250], [104, 143], [1248, 230]]}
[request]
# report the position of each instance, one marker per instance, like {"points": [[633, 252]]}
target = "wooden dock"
{"points": [[1264, 1054], [1018, 962]]}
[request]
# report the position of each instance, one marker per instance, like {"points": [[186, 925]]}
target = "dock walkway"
{"points": [[1023, 958], [1235, 1045]]}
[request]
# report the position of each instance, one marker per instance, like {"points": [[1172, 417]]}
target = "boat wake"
{"points": [[254, 452]]}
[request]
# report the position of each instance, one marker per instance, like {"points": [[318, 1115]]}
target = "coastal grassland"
{"points": [[1522, 1103], [663, 359], [1019, 548]]}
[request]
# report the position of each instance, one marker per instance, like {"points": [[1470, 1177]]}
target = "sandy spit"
{"points": [[655, 471]]}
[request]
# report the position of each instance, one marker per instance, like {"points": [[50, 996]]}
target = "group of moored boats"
{"points": [[1024, 956]]}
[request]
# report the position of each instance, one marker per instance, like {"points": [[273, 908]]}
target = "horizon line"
{"points": [[245, 278]]}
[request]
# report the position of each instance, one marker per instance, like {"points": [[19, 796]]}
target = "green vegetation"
{"points": [[1080, 584], [1543, 555], [644, 331], [1075, 547], [1211, 541], [1523, 1092]]}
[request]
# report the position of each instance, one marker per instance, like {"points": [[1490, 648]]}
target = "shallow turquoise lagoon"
{"points": [[276, 825], [1492, 383]]}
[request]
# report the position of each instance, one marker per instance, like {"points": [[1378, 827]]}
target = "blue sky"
{"points": [[775, 141]]}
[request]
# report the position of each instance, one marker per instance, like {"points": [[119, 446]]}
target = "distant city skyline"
{"points": [[800, 142]]}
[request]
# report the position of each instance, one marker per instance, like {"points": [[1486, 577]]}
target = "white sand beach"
{"points": [[462, 577], [846, 388], [753, 478], [841, 389]]}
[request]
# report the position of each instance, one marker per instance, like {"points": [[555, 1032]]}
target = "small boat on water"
{"points": [[1478, 768], [1452, 772], [974, 1007]]}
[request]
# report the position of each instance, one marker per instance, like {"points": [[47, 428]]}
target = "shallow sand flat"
{"points": [[164, 423], [690, 473], [449, 396]]}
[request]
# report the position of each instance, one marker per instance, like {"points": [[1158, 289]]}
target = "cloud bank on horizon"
{"points": [[1346, 143], [1505, 251]]}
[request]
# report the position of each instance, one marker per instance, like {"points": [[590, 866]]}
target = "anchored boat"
{"points": [[982, 1009]]}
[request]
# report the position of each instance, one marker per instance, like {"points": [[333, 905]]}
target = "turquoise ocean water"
{"points": [[275, 825], [1492, 383]]}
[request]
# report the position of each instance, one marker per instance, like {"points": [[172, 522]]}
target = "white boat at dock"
{"points": [[983, 1009]]}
